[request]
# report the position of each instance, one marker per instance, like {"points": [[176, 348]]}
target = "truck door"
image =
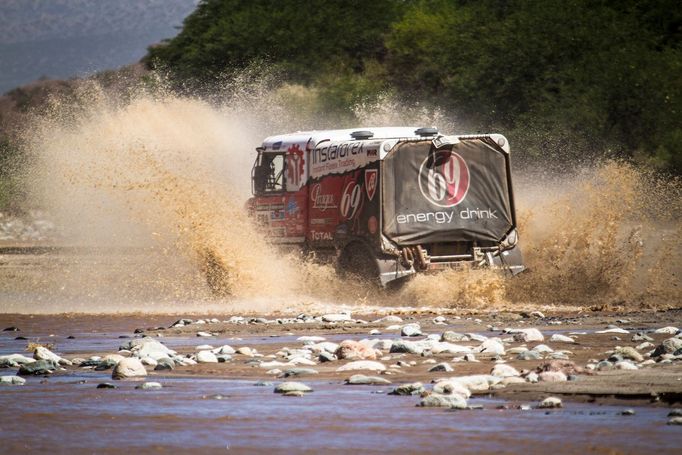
{"points": [[280, 195]]}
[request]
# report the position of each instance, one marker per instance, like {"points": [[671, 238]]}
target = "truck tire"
{"points": [[358, 262]]}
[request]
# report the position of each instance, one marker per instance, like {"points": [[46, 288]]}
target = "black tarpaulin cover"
{"points": [[456, 194]]}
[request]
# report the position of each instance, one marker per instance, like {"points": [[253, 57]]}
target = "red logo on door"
{"points": [[371, 176]]}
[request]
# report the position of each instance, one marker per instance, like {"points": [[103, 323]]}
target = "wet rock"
{"points": [[453, 401], [362, 365], [203, 347], [299, 372], [604, 365], [415, 388], [558, 338], [675, 413], [558, 355], [675, 421], [148, 347], [262, 384], [628, 412], [149, 386], [628, 352], [129, 368], [11, 329], [204, 334], [453, 337], [206, 357], [668, 346], [503, 370], [106, 385], [12, 380], [164, 363], [470, 358], [512, 380], [295, 393], [440, 320], [491, 346], [645, 345], [42, 353], [375, 332], [444, 366], [181, 323], [448, 348], [361, 379], [526, 335], [411, 330], [286, 387], [550, 403], [336, 317], [222, 358], [667, 330], [106, 364], [353, 350], [476, 337], [476, 382], [38, 367]]}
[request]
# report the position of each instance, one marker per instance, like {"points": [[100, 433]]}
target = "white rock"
{"points": [[336, 317], [503, 370], [12, 380], [626, 365], [362, 365], [491, 346], [204, 334], [614, 330], [552, 376], [667, 330], [245, 350], [527, 335], [224, 349], [393, 327], [148, 361], [19, 359], [448, 387], [558, 338], [411, 330], [204, 347], [310, 339], [130, 367], [41, 353], [453, 401], [389, 319], [550, 402], [542, 348], [151, 348], [206, 357]]}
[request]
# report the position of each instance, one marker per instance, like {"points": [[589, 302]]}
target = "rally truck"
{"points": [[386, 203]]}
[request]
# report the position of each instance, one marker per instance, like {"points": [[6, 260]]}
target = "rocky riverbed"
{"points": [[515, 380]]}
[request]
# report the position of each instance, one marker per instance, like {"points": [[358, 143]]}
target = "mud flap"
{"points": [[391, 269], [511, 261]]}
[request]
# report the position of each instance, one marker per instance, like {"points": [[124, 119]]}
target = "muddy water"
{"points": [[65, 413], [187, 416]]}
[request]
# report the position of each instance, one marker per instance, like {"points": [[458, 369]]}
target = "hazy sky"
{"points": [[66, 38]]}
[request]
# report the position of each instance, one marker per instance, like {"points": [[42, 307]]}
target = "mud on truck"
{"points": [[386, 203]]}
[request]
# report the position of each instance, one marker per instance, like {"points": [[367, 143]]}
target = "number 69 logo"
{"points": [[351, 200], [444, 178]]}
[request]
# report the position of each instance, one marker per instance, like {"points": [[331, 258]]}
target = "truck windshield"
{"points": [[268, 173]]}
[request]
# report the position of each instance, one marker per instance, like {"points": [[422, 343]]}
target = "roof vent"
{"points": [[425, 132], [361, 134]]}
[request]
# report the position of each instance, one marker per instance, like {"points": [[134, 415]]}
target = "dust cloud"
{"points": [[152, 188]]}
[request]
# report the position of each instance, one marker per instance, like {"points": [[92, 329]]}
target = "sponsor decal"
{"points": [[446, 217], [339, 158], [444, 178], [292, 207], [295, 166], [351, 200], [371, 182], [321, 201], [315, 235], [372, 224]]}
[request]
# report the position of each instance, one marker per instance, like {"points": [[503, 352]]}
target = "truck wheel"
{"points": [[217, 275], [358, 262]]}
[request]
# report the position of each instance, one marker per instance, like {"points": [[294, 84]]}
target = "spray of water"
{"points": [[155, 186]]}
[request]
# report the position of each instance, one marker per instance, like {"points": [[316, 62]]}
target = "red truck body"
{"points": [[385, 203]]}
